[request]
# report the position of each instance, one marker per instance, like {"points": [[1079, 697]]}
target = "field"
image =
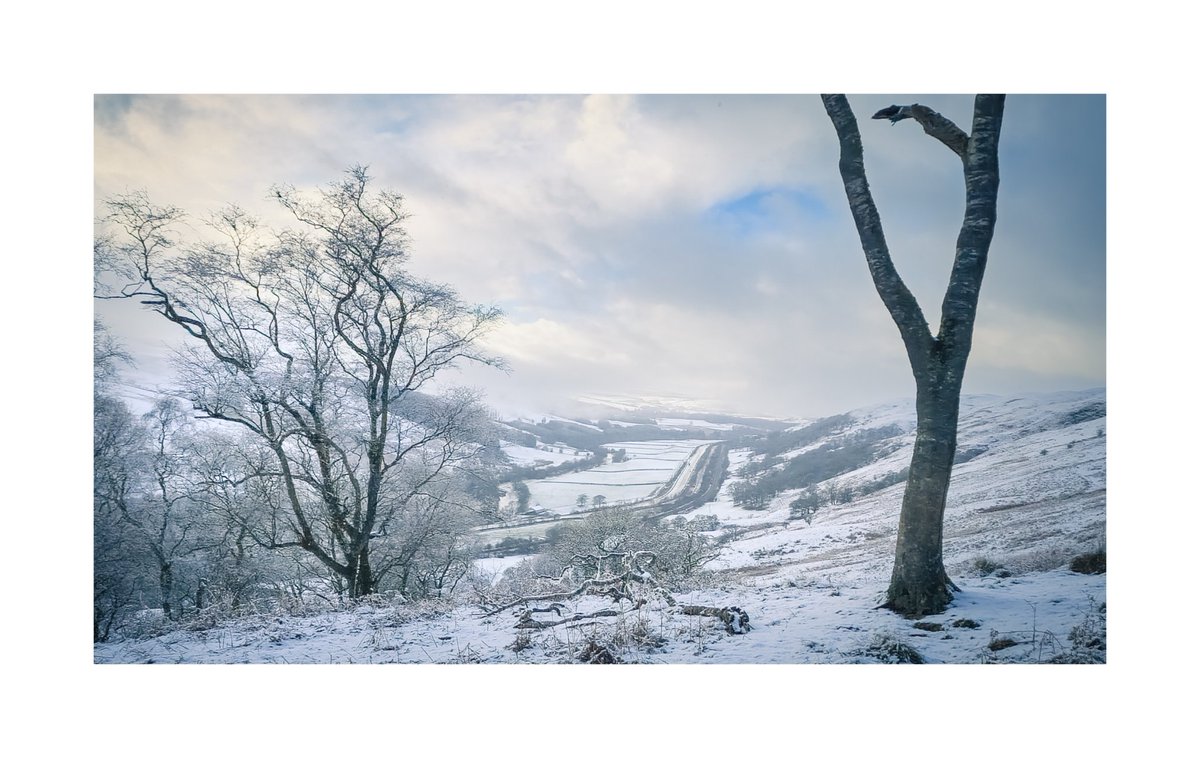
{"points": [[649, 465]]}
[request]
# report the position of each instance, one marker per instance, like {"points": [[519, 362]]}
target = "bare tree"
{"points": [[165, 511], [320, 346], [919, 583]]}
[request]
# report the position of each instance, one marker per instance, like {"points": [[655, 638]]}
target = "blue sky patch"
{"points": [[767, 210]]}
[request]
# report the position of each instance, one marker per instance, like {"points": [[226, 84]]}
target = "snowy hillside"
{"points": [[807, 563]]}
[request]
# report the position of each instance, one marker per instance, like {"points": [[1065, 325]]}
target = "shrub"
{"points": [[891, 650], [1089, 563], [1089, 638], [706, 522], [985, 566]]}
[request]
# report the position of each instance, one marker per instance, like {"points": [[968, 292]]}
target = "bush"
{"points": [[1089, 638], [986, 566], [891, 650], [1089, 563]]}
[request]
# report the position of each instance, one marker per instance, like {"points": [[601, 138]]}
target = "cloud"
{"points": [[694, 245]]}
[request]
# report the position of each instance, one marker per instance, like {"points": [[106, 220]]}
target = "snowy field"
{"points": [[691, 423], [649, 465], [534, 457]]}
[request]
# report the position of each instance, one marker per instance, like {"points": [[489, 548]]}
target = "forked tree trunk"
{"points": [[919, 582]]}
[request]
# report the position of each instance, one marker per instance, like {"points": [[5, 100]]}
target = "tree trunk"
{"points": [[919, 584], [362, 582], [166, 587]]}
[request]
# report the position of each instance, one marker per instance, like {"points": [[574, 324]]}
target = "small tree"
{"points": [[598, 501], [118, 442], [919, 582], [168, 514]]}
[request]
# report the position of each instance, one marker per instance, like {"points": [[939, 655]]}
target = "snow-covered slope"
{"points": [[1029, 495]]}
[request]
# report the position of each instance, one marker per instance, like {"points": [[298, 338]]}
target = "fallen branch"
{"points": [[736, 620], [637, 565], [528, 622], [599, 586]]}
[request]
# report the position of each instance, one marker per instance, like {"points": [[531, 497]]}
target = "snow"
{"points": [[1032, 500], [536, 457], [820, 618], [561, 419], [691, 423]]}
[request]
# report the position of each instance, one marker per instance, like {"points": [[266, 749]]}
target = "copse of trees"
{"points": [[157, 540], [556, 432], [771, 476], [777, 443], [596, 457]]}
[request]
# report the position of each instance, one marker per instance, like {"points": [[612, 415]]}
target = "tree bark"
{"points": [[166, 587], [919, 583], [362, 582]]}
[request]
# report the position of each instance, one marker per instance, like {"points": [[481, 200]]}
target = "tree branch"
{"points": [[935, 124], [897, 298], [981, 169]]}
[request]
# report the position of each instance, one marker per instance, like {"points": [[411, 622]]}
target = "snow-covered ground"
{"points": [[691, 423], [543, 456], [827, 618], [1032, 497]]}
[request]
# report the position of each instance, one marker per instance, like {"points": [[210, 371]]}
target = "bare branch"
{"points": [[901, 304], [935, 124]]}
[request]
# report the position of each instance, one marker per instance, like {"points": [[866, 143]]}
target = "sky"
{"points": [[694, 246]]}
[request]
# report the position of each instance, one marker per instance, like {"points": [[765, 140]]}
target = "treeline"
{"points": [[772, 475], [777, 443], [555, 432], [580, 434], [596, 457], [811, 499]]}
